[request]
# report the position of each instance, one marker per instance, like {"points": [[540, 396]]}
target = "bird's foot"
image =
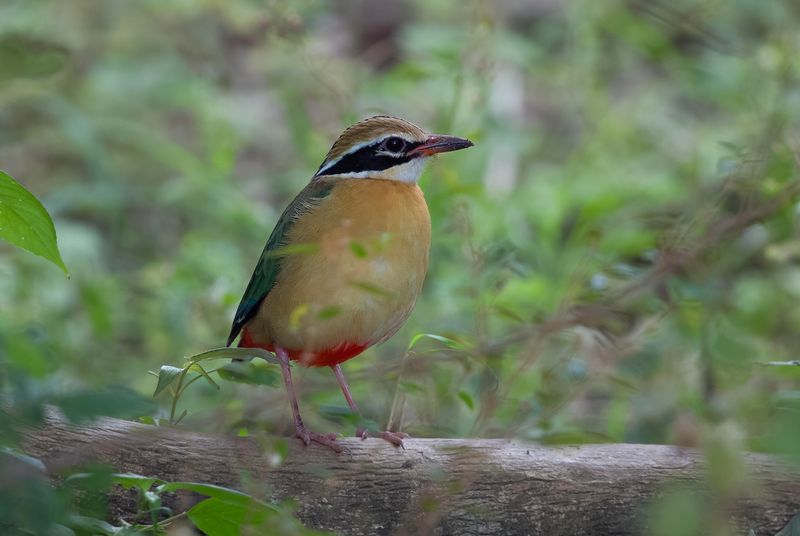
{"points": [[395, 438], [326, 440]]}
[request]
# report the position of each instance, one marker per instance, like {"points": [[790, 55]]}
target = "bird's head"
{"points": [[384, 147]]}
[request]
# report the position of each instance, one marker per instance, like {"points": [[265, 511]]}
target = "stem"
{"points": [[167, 521], [177, 395], [181, 388], [391, 425]]}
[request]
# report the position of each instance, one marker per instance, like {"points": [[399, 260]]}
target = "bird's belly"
{"points": [[356, 288], [333, 302]]}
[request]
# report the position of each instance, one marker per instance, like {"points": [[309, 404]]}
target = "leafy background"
{"points": [[615, 260]]}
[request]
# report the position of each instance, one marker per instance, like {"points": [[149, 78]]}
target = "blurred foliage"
{"points": [[611, 262], [75, 505]]}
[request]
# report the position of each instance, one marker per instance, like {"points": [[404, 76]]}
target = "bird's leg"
{"points": [[337, 371], [300, 430], [395, 438]]}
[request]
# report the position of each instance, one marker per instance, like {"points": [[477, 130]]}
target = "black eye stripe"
{"points": [[369, 158]]}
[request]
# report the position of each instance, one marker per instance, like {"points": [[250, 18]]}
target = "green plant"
{"points": [[176, 379], [76, 505], [25, 223]]}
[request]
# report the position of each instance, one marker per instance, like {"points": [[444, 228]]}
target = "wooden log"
{"points": [[433, 486]]}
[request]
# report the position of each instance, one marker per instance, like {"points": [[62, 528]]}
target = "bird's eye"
{"points": [[394, 144]]}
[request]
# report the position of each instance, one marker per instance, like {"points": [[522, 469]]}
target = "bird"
{"points": [[344, 265]]}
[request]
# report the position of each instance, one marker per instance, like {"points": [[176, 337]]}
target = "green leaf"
{"points": [[212, 490], [34, 463], [226, 511], [25, 223], [109, 402], [152, 500], [218, 517], [359, 250], [196, 367], [27, 356], [22, 56], [329, 312], [183, 414], [166, 377], [249, 373], [238, 353], [467, 400], [91, 525], [372, 289], [130, 481]]}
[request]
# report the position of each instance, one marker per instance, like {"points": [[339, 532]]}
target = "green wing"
{"points": [[269, 265]]}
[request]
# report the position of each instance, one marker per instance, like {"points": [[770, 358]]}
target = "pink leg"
{"points": [[337, 371], [300, 430], [395, 438]]}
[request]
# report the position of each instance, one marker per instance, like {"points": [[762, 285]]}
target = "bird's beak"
{"points": [[440, 144]]}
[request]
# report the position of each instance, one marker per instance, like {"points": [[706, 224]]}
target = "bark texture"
{"points": [[434, 486]]}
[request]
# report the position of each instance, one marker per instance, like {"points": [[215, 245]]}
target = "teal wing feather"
{"points": [[269, 264]]}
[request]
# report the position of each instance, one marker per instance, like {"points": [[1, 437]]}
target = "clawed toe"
{"points": [[395, 438], [326, 440]]}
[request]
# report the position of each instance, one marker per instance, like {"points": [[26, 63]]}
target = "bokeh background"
{"points": [[617, 259]]}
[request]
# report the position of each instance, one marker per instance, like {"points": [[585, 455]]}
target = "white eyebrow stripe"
{"points": [[358, 146]]}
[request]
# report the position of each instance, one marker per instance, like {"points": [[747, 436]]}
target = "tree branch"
{"points": [[451, 486]]}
